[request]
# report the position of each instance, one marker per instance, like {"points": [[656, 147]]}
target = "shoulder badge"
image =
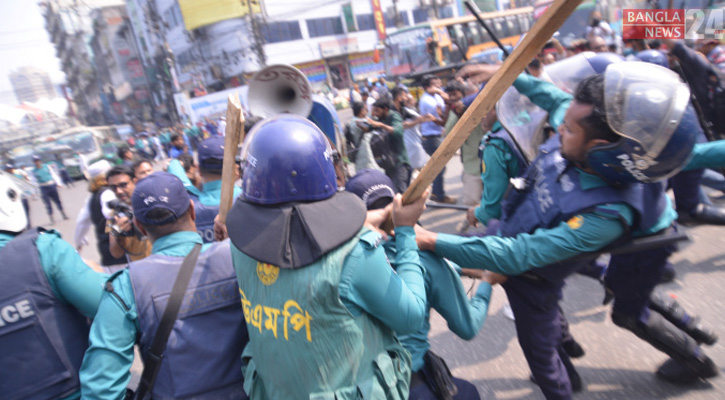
{"points": [[267, 273]]}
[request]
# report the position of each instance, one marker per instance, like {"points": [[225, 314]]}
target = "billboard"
{"points": [[198, 13]]}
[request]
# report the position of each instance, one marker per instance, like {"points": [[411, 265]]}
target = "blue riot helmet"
{"points": [[653, 57], [648, 107], [567, 73], [287, 159]]}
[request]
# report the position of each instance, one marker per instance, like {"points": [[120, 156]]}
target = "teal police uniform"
{"points": [[106, 366], [465, 317], [48, 190], [332, 328], [73, 286], [500, 162]]}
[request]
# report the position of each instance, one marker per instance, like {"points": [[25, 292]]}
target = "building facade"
{"points": [[31, 84]]}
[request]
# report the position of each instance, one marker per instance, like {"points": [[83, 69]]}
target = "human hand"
{"points": [[471, 217], [478, 73], [425, 239], [124, 224], [473, 273], [494, 278], [376, 218], [220, 230], [409, 214]]}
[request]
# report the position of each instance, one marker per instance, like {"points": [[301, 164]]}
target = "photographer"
{"points": [[95, 212], [124, 238]]}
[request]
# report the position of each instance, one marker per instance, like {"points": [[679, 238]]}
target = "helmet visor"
{"points": [[567, 73], [645, 103], [523, 120]]}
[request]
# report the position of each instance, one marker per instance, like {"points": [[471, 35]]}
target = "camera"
{"points": [[121, 210]]}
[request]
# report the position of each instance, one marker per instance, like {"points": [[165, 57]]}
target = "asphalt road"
{"points": [[617, 365]]}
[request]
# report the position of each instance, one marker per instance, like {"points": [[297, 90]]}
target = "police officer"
{"points": [[48, 187], [321, 301], [206, 201], [577, 202], [47, 293], [444, 293], [202, 358]]}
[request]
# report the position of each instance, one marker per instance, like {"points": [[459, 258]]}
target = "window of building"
{"points": [[324, 26], [281, 31], [446, 12], [420, 15], [365, 22], [390, 19]]}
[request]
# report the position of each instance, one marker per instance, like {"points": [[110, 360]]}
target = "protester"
{"points": [[432, 103], [361, 133], [390, 121], [22, 175], [301, 252], [178, 147], [202, 358]]}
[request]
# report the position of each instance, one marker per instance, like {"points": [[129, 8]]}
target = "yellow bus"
{"points": [[442, 44]]}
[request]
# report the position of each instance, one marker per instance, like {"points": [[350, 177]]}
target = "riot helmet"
{"points": [[286, 159], [648, 107], [12, 213], [566, 74], [653, 57]]}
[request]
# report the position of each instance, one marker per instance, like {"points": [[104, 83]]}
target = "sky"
{"points": [[24, 42]]}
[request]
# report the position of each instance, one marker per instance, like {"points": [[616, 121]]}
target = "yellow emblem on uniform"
{"points": [[575, 222], [267, 273], [483, 167]]}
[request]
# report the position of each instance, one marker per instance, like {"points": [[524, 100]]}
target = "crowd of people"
{"points": [[303, 291]]}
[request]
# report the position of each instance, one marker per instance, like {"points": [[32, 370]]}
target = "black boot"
{"points": [[65, 217], [673, 312], [689, 362]]}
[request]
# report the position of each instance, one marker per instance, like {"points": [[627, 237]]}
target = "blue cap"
{"points": [[159, 190], [36, 158], [371, 185], [211, 149]]}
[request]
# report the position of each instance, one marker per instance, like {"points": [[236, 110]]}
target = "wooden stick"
{"points": [[522, 55], [234, 135]]}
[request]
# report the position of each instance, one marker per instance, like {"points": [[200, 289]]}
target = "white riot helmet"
{"points": [[12, 214]]}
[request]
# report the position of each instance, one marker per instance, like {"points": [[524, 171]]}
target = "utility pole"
{"points": [[258, 45]]}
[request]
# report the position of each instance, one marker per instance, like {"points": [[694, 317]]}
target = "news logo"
{"points": [[673, 24]]}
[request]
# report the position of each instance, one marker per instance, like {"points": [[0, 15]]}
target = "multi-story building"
{"points": [[31, 84], [333, 43], [121, 76], [70, 29]]}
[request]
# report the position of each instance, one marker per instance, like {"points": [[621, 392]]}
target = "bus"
{"points": [[75, 148], [445, 44]]}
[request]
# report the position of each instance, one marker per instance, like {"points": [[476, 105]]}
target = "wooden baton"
{"points": [[234, 135], [522, 55]]}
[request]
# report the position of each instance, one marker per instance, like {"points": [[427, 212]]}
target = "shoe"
{"points": [[704, 214], [677, 372], [444, 199], [573, 348], [52, 220], [65, 217], [702, 335], [668, 274]]}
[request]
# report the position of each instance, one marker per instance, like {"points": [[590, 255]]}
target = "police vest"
{"points": [[553, 194], [303, 341], [204, 219], [503, 135], [202, 358], [42, 339], [99, 225]]}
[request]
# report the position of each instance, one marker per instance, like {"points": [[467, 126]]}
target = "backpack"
{"points": [[383, 150], [718, 105]]}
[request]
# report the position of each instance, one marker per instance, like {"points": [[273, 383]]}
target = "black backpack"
{"points": [[352, 146]]}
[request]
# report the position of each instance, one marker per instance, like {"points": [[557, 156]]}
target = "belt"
{"points": [[430, 136]]}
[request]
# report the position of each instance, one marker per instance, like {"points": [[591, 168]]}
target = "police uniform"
{"points": [[202, 359], [579, 213], [47, 293], [322, 302], [48, 189], [444, 293], [206, 201]]}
